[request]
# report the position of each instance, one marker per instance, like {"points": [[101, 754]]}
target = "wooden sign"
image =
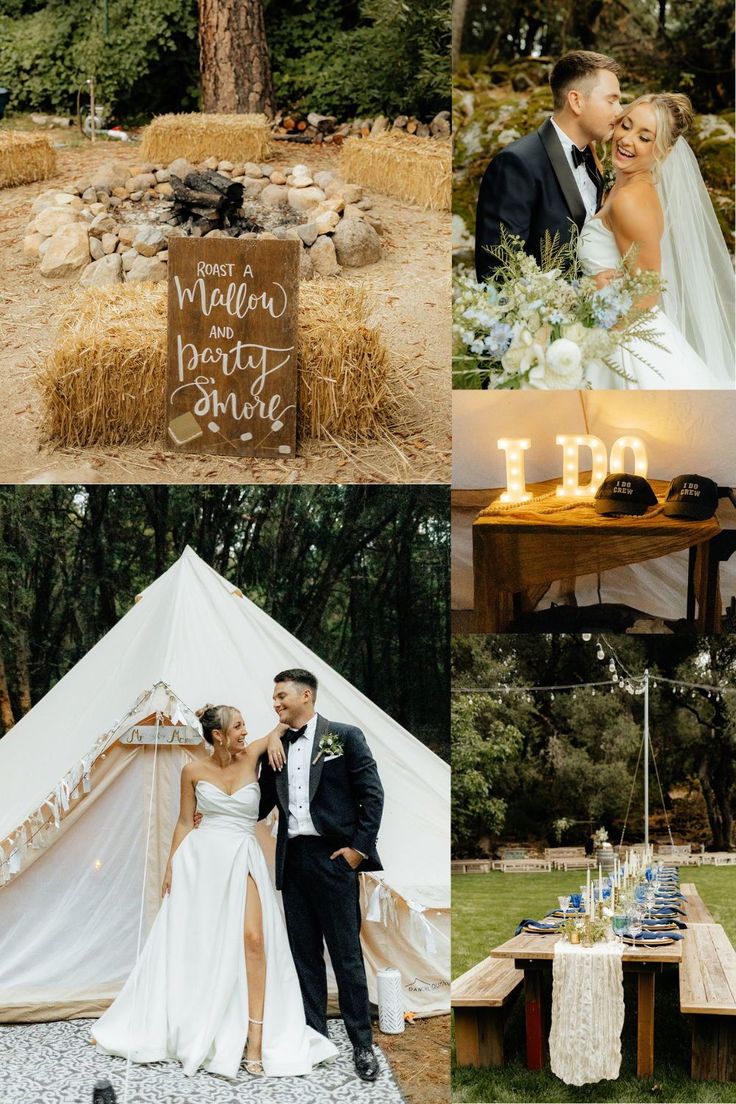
{"points": [[232, 335]]}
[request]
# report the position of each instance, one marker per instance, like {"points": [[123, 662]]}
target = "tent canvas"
{"points": [[89, 796], [688, 431]]}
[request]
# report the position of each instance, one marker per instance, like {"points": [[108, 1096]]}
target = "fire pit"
{"points": [[116, 227]]}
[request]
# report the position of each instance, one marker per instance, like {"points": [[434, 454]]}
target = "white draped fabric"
{"points": [[587, 1012]]}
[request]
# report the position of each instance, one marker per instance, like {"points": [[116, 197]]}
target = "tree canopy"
{"points": [[672, 45], [553, 766], [359, 574], [341, 57]]}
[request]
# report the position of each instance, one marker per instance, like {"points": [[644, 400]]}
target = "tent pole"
{"points": [[646, 758]]}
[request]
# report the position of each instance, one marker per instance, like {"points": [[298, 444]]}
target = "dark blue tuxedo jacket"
{"points": [[528, 187]]}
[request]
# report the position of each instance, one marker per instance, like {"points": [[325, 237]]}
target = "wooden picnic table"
{"points": [[533, 954]]}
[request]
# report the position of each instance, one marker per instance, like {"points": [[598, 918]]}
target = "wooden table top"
{"points": [[579, 515], [542, 948]]}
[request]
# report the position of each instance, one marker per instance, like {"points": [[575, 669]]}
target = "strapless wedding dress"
{"points": [[678, 368], [187, 998]]}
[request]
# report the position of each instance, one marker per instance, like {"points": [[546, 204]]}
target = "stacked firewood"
{"points": [[296, 127]]}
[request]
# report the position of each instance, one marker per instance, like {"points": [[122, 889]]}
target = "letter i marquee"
{"points": [[232, 346]]}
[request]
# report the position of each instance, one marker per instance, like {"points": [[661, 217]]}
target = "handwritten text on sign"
{"points": [[232, 335]]}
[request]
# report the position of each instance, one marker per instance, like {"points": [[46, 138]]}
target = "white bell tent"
{"points": [[683, 432], [89, 793]]}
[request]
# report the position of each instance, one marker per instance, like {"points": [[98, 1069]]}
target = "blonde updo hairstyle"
{"points": [[220, 717], [674, 114]]}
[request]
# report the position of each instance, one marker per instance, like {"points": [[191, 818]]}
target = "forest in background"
{"points": [[339, 57], [358, 574], [549, 768]]}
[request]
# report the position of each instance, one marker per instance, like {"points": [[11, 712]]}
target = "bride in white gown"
{"points": [[216, 968], [659, 201]]}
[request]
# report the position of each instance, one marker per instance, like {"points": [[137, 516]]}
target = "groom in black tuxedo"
{"points": [[330, 801], [550, 179]]}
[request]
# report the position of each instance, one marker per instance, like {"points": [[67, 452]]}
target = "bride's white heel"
{"points": [[254, 1066]]}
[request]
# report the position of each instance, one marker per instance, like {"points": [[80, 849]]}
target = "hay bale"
{"points": [[104, 383], [196, 137], [25, 157], [418, 170]]}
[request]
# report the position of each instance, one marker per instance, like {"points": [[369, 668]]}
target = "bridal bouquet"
{"points": [[532, 326]]}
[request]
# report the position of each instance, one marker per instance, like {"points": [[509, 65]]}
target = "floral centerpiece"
{"points": [[545, 325], [600, 837]]}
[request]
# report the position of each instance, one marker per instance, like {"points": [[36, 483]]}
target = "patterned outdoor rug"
{"points": [[53, 1063]]}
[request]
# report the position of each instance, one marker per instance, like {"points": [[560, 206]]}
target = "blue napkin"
{"points": [[673, 911], [541, 927], [646, 936], [662, 922]]}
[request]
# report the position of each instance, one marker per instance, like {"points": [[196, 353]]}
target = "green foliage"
{"points": [[146, 63], [359, 574], [577, 759], [392, 57]]}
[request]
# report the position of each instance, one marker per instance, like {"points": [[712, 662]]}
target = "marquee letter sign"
{"points": [[232, 335], [515, 479], [514, 447]]}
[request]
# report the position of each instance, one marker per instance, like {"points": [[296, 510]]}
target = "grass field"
{"points": [[485, 911]]}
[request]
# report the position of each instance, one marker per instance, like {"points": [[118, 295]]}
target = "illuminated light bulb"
{"points": [[618, 455], [587, 637], [98, 864], [516, 491], [600, 653], [612, 666], [614, 677], [571, 464]]}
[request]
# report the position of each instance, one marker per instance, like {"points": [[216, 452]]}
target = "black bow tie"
{"points": [[582, 157], [585, 157], [294, 734]]}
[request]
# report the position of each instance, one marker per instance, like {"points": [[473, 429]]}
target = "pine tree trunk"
{"points": [[459, 8], [233, 57], [7, 720]]}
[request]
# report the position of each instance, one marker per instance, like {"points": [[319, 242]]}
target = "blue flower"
{"points": [[609, 304], [499, 339]]}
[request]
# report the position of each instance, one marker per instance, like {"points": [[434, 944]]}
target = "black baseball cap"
{"points": [[621, 493], [691, 496]]}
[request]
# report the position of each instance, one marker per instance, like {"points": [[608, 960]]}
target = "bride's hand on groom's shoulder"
{"points": [[275, 749]]}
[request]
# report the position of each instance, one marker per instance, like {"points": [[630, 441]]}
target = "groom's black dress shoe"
{"points": [[366, 1063]]}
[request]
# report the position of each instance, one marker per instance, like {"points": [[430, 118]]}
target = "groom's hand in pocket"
{"points": [[352, 857]]}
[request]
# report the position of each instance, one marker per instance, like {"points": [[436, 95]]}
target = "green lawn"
{"points": [[485, 911]]}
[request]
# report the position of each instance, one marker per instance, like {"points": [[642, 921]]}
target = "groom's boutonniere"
{"points": [[330, 746]]}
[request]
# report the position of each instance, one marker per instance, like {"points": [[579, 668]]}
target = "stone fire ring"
{"points": [[116, 227]]}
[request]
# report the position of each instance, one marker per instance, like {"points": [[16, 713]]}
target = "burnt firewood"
{"points": [[206, 180]]}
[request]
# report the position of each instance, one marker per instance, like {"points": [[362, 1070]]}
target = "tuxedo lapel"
{"points": [[282, 780], [563, 172], [315, 768]]}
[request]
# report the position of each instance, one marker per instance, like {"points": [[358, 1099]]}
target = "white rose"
{"points": [[575, 332], [564, 363]]}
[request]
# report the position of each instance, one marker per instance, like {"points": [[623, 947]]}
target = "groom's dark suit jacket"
{"points": [[528, 187], [345, 796]]}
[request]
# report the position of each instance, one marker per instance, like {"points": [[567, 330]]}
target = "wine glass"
{"points": [[635, 924], [619, 923], [564, 903]]}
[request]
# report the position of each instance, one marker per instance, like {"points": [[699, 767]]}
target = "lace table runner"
{"points": [[587, 1012]]}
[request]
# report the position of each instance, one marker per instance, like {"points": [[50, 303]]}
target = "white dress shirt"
{"points": [[298, 765], [586, 187]]}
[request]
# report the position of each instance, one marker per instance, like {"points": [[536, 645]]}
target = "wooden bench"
{"points": [[509, 853], [708, 997], [470, 866], [558, 855], [674, 850], [523, 866], [481, 999], [719, 858], [577, 864], [697, 913]]}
